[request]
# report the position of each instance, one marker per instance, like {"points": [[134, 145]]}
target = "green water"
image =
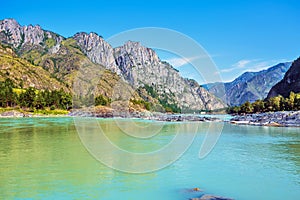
{"points": [[43, 158]]}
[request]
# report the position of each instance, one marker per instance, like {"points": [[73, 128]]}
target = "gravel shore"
{"points": [[276, 119]]}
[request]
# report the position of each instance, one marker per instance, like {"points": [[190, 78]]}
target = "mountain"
{"points": [[289, 83], [24, 74], [71, 61], [250, 86], [141, 66]]}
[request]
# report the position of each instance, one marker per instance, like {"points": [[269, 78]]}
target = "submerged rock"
{"points": [[211, 197]]}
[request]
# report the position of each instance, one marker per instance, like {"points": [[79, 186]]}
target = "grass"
{"points": [[50, 42], [18, 91], [2, 110], [46, 111], [51, 112]]}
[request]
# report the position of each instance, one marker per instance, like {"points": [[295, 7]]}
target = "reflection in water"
{"points": [[44, 158]]}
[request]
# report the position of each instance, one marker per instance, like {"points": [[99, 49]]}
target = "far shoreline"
{"points": [[268, 119]]}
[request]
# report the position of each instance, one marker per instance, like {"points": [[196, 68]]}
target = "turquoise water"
{"points": [[43, 158]]}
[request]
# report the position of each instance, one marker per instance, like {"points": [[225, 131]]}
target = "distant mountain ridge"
{"points": [[289, 83], [62, 58], [250, 86]]}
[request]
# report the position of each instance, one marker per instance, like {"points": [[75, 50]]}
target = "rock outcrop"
{"points": [[26, 38], [141, 67], [290, 82], [211, 197], [97, 50]]}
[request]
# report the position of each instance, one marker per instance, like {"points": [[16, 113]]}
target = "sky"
{"points": [[238, 35]]}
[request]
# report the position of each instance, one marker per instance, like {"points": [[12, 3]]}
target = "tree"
{"points": [[27, 98], [247, 107], [101, 100], [258, 106], [273, 104], [284, 104], [40, 101], [8, 97], [291, 101], [65, 100]]}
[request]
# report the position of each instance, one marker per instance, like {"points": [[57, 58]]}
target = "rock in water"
{"points": [[211, 197]]}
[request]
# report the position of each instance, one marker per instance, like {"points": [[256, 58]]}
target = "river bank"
{"points": [[106, 112], [19, 113], [275, 119]]}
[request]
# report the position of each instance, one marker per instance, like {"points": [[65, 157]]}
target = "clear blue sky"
{"points": [[240, 35]]}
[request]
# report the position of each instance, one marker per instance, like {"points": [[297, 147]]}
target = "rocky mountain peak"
{"points": [[134, 54], [24, 38], [97, 50], [142, 67], [10, 32], [9, 23], [33, 34]]}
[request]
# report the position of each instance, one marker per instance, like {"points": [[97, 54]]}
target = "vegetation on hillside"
{"points": [[23, 74], [278, 103], [31, 98], [162, 99]]}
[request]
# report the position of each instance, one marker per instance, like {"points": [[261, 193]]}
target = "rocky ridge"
{"points": [[26, 38], [139, 66]]}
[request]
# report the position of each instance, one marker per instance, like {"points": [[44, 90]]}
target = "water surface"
{"points": [[43, 158]]}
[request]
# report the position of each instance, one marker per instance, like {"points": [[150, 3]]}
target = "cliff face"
{"points": [[250, 86], [97, 50], [27, 38], [289, 83], [139, 66]]}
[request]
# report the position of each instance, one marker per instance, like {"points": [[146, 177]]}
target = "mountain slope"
{"points": [[84, 56], [141, 66], [289, 83], [250, 86], [24, 74]]}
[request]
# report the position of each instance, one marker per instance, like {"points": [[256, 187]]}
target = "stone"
{"points": [[211, 197]]}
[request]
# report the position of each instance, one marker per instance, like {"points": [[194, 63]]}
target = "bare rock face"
{"points": [[141, 66], [26, 38], [135, 60], [33, 34], [97, 50], [209, 100], [11, 32]]}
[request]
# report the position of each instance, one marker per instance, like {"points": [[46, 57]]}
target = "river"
{"points": [[44, 158]]}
